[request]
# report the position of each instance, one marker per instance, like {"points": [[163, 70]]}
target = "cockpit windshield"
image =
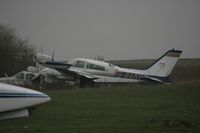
{"points": [[71, 62], [19, 75], [80, 64], [111, 65], [24, 75]]}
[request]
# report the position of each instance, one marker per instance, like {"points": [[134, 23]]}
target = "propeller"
{"points": [[52, 58]]}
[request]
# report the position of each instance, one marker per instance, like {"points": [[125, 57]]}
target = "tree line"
{"points": [[15, 53]]}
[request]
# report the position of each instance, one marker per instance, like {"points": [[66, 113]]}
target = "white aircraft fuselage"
{"points": [[106, 72], [15, 101]]}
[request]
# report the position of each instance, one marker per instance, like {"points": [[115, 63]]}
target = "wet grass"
{"points": [[139, 108]]}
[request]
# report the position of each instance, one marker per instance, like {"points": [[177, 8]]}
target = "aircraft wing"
{"points": [[65, 69], [77, 73]]}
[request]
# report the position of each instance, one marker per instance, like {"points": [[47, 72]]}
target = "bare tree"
{"points": [[15, 53]]}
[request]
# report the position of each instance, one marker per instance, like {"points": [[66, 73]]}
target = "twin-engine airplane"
{"points": [[94, 71], [17, 101]]}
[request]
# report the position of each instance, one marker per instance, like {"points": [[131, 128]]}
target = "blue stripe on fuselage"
{"points": [[22, 95]]}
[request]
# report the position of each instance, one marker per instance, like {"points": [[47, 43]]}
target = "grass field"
{"points": [[171, 108]]}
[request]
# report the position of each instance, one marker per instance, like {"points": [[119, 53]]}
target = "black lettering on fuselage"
{"points": [[129, 75]]}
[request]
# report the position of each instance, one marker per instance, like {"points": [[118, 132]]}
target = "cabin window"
{"points": [[29, 76], [79, 64], [95, 67]]}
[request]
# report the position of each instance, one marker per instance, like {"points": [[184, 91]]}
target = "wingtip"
{"points": [[175, 51]]}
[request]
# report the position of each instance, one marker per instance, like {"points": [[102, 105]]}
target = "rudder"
{"points": [[164, 65]]}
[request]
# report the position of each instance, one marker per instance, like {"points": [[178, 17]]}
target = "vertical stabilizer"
{"points": [[164, 65]]}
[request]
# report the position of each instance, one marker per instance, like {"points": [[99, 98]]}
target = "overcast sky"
{"points": [[116, 29]]}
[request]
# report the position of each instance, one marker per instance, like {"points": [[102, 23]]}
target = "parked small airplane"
{"points": [[23, 78], [93, 71], [17, 101]]}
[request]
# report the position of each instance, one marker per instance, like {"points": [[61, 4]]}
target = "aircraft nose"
{"points": [[44, 97], [37, 98], [47, 98]]}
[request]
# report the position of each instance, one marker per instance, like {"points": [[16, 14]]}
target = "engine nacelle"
{"points": [[50, 72], [42, 57]]}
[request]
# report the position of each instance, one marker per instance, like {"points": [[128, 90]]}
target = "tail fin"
{"points": [[165, 64]]}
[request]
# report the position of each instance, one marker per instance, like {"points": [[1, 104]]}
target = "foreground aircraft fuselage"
{"points": [[98, 71], [16, 101]]}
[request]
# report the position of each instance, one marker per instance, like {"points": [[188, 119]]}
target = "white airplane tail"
{"points": [[164, 65]]}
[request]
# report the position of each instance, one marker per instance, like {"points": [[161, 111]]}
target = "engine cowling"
{"points": [[42, 58]]}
